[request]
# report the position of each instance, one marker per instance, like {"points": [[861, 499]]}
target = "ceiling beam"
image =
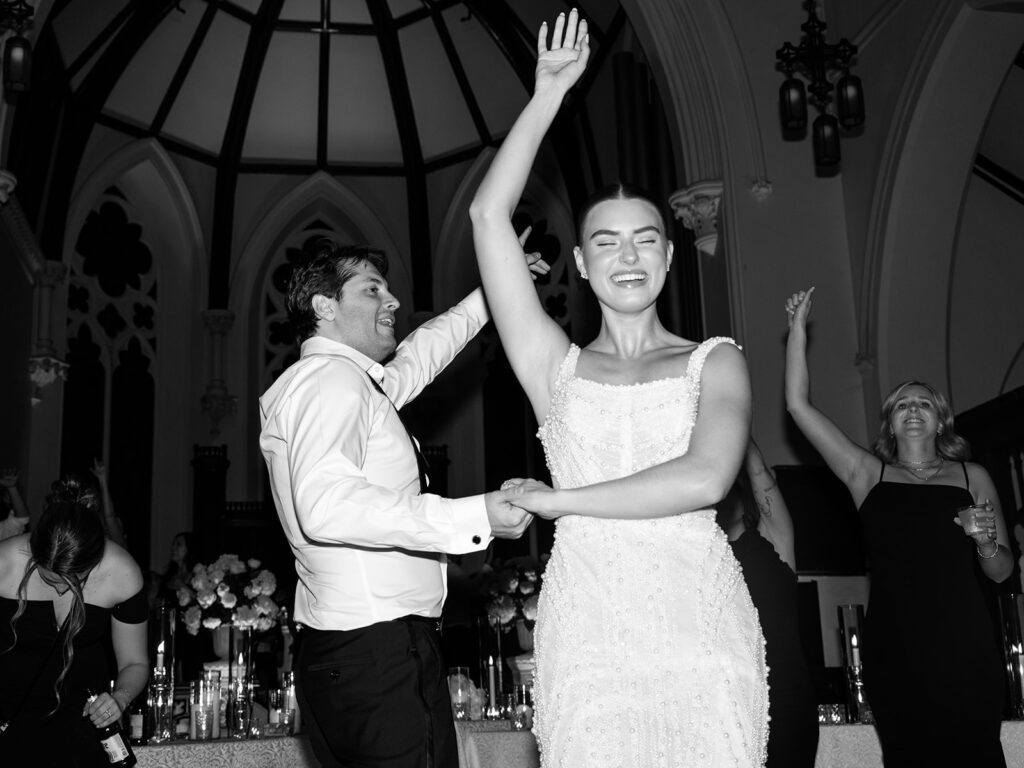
{"points": [[184, 66], [1006, 182], [83, 110], [169, 143], [98, 42], [324, 82], [460, 76], [412, 153], [231, 150]]}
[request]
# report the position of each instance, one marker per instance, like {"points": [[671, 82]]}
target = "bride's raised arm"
{"points": [[534, 343]]}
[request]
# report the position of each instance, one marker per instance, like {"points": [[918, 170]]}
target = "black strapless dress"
{"points": [[793, 728], [932, 667]]}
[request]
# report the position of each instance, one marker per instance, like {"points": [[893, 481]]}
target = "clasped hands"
{"points": [[511, 509]]}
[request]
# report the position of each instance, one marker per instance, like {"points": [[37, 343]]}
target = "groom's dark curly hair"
{"points": [[325, 267]]}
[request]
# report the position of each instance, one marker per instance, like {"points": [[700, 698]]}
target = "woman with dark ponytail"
{"points": [[65, 588]]}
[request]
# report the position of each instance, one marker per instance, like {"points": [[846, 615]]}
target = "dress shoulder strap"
{"points": [[695, 364], [967, 479], [881, 472], [568, 368]]}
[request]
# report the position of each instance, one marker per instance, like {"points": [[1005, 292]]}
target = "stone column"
{"points": [[44, 367], [217, 401], [697, 207]]}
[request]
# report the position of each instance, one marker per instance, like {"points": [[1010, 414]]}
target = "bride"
{"points": [[648, 649]]}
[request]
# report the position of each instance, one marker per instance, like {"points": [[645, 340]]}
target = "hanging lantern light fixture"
{"points": [[813, 60], [16, 16]]}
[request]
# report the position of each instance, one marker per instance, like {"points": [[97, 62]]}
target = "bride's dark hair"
{"points": [[68, 541]]}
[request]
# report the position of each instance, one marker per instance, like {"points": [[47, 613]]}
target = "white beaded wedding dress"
{"points": [[649, 652]]}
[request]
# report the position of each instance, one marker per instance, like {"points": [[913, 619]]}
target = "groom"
{"points": [[369, 542]]}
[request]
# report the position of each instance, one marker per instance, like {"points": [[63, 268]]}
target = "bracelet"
{"points": [[987, 557], [120, 689]]}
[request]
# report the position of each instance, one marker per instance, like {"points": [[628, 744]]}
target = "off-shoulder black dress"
{"points": [[29, 670]]}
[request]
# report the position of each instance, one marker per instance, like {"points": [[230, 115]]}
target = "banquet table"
{"points": [[493, 744]]}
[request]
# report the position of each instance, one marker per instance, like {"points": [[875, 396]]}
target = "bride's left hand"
{"points": [[532, 495]]}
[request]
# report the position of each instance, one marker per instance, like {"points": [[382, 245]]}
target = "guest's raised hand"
{"points": [[99, 471], [797, 308], [9, 477], [534, 260], [506, 520], [560, 65]]}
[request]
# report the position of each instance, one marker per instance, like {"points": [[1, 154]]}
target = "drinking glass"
{"points": [[460, 687], [969, 518], [522, 708], [202, 711]]}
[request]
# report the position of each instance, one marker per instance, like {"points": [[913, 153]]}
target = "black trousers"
{"points": [[377, 697]]}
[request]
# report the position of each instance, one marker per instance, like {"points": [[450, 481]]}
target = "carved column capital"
{"points": [[52, 273], [44, 370], [697, 207], [218, 321]]}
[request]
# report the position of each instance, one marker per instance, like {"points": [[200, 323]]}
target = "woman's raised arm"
{"points": [[851, 463], [534, 343]]}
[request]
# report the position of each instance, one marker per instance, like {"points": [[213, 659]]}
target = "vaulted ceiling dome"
{"points": [[328, 84]]}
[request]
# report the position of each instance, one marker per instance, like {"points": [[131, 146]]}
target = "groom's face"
{"points": [[364, 316]]}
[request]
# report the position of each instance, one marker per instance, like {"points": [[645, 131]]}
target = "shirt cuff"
{"points": [[469, 516], [475, 306]]}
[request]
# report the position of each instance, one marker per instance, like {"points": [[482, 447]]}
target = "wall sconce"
{"points": [[16, 16], [814, 59]]}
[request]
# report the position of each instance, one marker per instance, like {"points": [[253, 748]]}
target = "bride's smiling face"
{"points": [[625, 253]]}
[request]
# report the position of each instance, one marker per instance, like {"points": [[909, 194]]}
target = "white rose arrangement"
{"points": [[229, 591], [512, 589]]}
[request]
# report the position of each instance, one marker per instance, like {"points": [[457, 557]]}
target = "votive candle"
{"points": [[493, 692]]}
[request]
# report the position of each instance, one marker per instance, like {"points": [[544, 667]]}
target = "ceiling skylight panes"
{"points": [[361, 120], [200, 113], [79, 24], [252, 6], [142, 85], [301, 10], [401, 7], [350, 12], [443, 120], [499, 93], [283, 122]]}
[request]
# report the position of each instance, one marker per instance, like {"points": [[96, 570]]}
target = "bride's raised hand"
{"points": [[561, 65], [797, 308]]}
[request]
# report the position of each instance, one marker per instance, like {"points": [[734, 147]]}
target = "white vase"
{"points": [[524, 635]]}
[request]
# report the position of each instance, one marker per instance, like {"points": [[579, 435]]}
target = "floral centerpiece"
{"points": [[229, 591], [512, 590]]}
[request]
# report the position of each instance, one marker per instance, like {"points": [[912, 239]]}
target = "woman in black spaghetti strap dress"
{"points": [[760, 531], [931, 661]]}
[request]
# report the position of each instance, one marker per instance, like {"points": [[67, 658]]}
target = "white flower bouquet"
{"points": [[512, 590], [229, 591]]}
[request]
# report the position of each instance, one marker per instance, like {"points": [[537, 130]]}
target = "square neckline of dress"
{"points": [[685, 376]]}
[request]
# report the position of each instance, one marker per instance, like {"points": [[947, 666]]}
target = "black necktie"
{"points": [[421, 461]]}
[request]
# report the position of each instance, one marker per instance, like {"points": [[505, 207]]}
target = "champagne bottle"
{"points": [[115, 745], [138, 717]]}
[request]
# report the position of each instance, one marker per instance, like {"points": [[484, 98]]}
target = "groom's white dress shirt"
{"points": [[368, 546]]}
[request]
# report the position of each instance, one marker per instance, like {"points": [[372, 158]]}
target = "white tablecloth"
{"points": [[228, 753], [493, 745]]}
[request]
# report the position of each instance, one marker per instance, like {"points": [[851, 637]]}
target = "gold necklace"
{"points": [[926, 465]]}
